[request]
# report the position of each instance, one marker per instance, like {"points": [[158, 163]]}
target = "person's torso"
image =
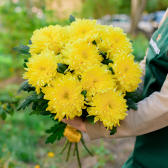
{"points": [[151, 150]]}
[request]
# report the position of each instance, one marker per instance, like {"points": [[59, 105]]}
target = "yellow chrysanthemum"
{"points": [[83, 29], [41, 69], [109, 107], [37, 166], [97, 80], [114, 41], [65, 98], [127, 72], [50, 154], [102, 32], [81, 55], [52, 37]]}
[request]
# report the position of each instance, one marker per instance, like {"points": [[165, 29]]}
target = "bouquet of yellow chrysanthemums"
{"points": [[84, 70]]}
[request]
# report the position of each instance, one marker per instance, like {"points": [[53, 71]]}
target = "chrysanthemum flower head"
{"points": [[97, 79], [127, 72], [81, 55], [65, 98], [50, 154], [52, 37], [41, 69], [114, 41], [83, 29], [109, 107], [103, 29]]}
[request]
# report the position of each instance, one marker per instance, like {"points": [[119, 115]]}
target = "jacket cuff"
{"points": [[96, 131]]}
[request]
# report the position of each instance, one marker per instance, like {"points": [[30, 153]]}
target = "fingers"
{"points": [[77, 123]]}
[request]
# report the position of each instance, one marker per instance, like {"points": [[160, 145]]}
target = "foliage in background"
{"points": [[24, 146], [8, 103], [20, 148], [9, 67], [19, 20], [98, 8], [102, 154], [139, 50], [156, 5]]}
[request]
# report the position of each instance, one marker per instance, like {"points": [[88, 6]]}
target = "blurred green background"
{"points": [[22, 137]]}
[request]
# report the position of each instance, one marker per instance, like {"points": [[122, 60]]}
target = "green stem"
{"points": [[68, 151], [83, 142], [74, 151], [64, 146], [76, 147]]}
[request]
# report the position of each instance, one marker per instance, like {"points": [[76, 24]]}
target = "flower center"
{"points": [[126, 69], [66, 96], [84, 54], [94, 81], [110, 106], [42, 69], [116, 40], [83, 31]]}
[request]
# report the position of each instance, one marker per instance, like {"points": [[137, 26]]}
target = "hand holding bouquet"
{"points": [[85, 70]]}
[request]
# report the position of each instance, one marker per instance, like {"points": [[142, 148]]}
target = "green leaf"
{"points": [[113, 131], [37, 111], [40, 95], [137, 95], [26, 60], [84, 113], [45, 113], [42, 101], [34, 105], [3, 116], [131, 41], [91, 119], [23, 85], [94, 42], [133, 98], [71, 19], [111, 69], [107, 61], [24, 104], [12, 111], [11, 94], [24, 64], [56, 132], [131, 104], [22, 49], [16, 104], [63, 67], [29, 88], [1, 110], [104, 55], [8, 108], [45, 106], [26, 57], [60, 70], [84, 92], [30, 42], [79, 78], [52, 115], [32, 98]]}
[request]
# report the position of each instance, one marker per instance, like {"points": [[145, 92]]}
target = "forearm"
{"points": [[152, 114]]}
